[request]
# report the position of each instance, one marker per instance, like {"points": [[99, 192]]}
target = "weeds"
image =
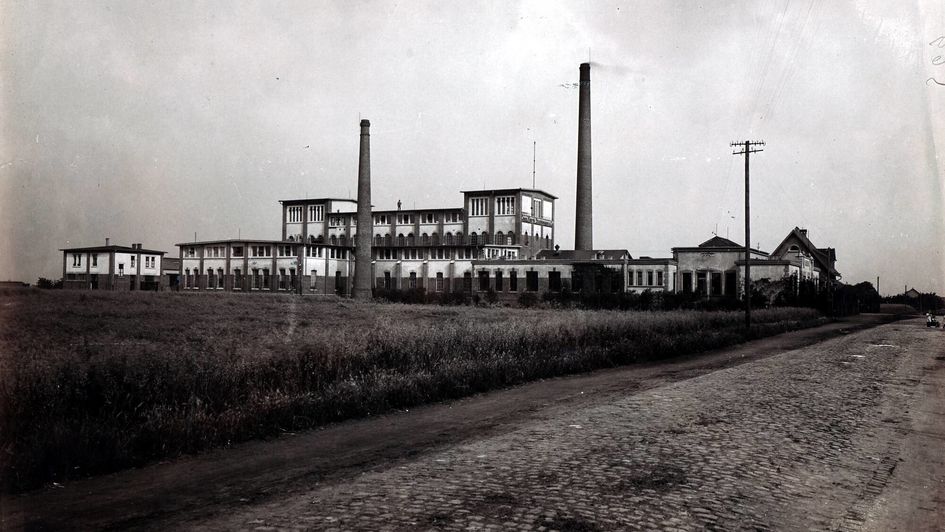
{"points": [[94, 382]]}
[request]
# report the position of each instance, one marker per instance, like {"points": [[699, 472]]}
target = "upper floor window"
{"points": [[505, 205], [479, 207], [190, 252], [237, 251], [94, 259], [382, 219], [261, 251], [428, 218], [294, 214], [76, 259], [404, 219], [452, 217], [316, 213], [537, 208], [336, 221], [286, 251], [132, 261]]}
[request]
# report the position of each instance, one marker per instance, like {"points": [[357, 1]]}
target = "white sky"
{"points": [[146, 122]]}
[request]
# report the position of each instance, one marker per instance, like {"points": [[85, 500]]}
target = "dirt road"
{"points": [[770, 434]]}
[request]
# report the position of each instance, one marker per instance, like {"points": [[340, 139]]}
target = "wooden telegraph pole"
{"points": [[747, 147]]}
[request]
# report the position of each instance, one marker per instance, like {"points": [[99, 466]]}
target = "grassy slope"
{"points": [[94, 382]]}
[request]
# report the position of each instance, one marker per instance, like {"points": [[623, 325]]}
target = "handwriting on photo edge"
{"points": [[938, 60]]}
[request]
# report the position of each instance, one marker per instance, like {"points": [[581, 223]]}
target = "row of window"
{"points": [[259, 279], [710, 283], [316, 213], [150, 261], [647, 276], [423, 254]]}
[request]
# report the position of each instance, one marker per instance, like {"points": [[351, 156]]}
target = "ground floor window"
{"points": [[439, 282], [531, 281], [339, 284], [687, 282], [210, 279], [467, 282], [716, 283], [498, 281], [313, 280], [513, 281], [649, 278], [387, 281], [220, 278], [554, 281], [639, 278], [659, 278], [265, 279], [483, 281], [237, 279], [730, 283], [257, 280], [701, 283], [283, 279], [413, 280]]}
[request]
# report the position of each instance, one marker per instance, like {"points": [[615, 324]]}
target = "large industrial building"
{"points": [[500, 240]]}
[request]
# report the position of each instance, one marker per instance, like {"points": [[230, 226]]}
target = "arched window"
{"points": [[343, 240], [334, 240], [320, 239], [401, 240], [388, 240], [794, 249], [291, 238], [473, 239], [311, 239], [424, 239], [448, 239], [411, 240], [500, 238], [511, 239], [378, 240], [458, 239], [435, 238]]}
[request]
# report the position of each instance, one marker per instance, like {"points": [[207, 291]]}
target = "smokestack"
{"points": [[108, 241], [362, 251], [584, 214]]}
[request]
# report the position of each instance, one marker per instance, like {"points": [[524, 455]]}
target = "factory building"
{"points": [[113, 267]]}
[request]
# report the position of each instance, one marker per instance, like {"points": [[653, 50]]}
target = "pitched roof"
{"points": [[584, 254], [826, 257], [719, 242]]}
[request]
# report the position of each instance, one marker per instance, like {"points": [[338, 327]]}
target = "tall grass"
{"points": [[94, 382]]}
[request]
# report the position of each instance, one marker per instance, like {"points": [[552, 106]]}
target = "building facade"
{"points": [[112, 267]]}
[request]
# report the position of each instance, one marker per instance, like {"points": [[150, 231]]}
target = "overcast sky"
{"points": [[147, 122]]}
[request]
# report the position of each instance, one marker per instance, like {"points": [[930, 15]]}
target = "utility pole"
{"points": [[534, 143], [747, 147]]}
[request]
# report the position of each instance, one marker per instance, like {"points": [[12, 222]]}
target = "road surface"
{"points": [[844, 434]]}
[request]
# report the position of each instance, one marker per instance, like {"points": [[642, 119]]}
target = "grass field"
{"points": [[94, 382]]}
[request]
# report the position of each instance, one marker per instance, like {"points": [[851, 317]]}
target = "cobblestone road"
{"points": [[803, 440]]}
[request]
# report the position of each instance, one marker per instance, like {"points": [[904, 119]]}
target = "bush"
{"points": [[528, 299]]}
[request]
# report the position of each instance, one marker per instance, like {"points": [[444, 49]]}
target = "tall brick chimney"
{"points": [[584, 214], [362, 250]]}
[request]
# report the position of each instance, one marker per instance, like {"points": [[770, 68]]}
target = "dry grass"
{"points": [[94, 382]]}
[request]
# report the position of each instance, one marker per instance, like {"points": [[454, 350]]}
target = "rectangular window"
{"points": [[439, 281], [483, 281], [132, 262], [210, 283], [531, 281], [467, 282], [294, 214], [554, 281], [687, 282], [413, 279], [237, 251], [265, 279], [387, 281], [220, 278], [292, 279], [282, 279], [640, 278], [659, 278], [701, 283], [479, 207], [313, 280], [256, 283], [94, 259], [513, 281], [316, 213], [536, 208], [649, 278], [505, 205], [730, 288], [237, 279], [498, 281], [190, 252], [716, 283], [339, 284]]}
